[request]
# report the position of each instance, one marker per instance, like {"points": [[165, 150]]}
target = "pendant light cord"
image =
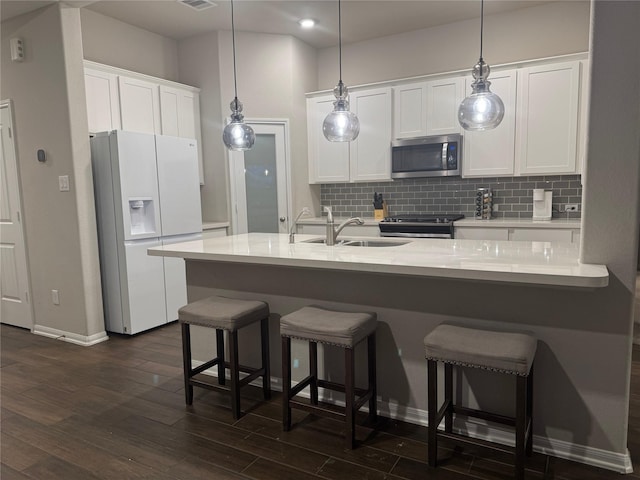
{"points": [[233, 42], [481, 26], [340, 38]]}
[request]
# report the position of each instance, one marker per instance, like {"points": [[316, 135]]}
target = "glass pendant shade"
{"points": [[237, 135], [341, 125], [483, 109]]}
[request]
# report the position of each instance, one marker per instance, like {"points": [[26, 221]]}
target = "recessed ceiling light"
{"points": [[307, 23]]}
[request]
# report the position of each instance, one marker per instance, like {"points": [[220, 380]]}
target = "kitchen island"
{"points": [[539, 287]]}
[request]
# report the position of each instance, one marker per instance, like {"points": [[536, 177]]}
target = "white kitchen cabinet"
{"points": [[366, 159], [139, 105], [370, 153], [544, 234], [179, 111], [120, 99], [427, 108], [409, 110], [103, 103], [479, 233], [443, 99], [328, 161], [530, 234], [491, 153], [547, 126]]}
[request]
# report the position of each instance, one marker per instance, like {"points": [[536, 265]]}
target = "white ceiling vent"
{"points": [[198, 4]]}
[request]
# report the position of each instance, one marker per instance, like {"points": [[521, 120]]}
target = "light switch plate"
{"points": [[63, 182]]}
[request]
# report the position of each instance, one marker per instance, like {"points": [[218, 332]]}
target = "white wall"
{"points": [[552, 29], [50, 114], [198, 65], [274, 72], [112, 42]]}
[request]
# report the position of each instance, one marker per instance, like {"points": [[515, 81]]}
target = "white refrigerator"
{"points": [[147, 193]]}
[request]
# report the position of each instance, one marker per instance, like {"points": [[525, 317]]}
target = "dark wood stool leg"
{"points": [[313, 372], [266, 376], [432, 408], [521, 422], [220, 354], [373, 386], [286, 383], [448, 397], [349, 393], [186, 363], [234, 365], [529, 448]]}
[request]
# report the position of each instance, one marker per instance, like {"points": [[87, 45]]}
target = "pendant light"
{"points": [[237, 135], [482, 110], [341, 125]]}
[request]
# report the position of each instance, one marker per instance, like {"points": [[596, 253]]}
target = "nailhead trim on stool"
{"points": [[501, 352], [345, 330], [225, 314]]}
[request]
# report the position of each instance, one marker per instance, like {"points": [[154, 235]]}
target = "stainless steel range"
{"points": [[422, 226]]}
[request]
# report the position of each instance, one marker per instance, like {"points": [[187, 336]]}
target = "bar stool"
{"points": [[501, 352], [343, 329], [225, 314]]}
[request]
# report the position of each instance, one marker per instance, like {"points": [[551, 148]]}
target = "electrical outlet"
{"points": [[571, 207]]}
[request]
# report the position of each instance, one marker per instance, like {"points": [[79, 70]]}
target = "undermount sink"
{"points": [[374, 243], [361, 243]]}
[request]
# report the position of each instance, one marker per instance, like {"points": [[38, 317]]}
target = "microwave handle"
{"points": [[445, 148]]}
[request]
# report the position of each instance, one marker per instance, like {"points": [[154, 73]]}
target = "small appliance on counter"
{"points": [[484, 204], [542, 202]]}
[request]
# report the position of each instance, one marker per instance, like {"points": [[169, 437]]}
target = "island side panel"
{"points": [[579, 398]]}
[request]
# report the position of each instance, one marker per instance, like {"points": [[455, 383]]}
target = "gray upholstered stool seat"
{"points": [[502, 352], [317, 324], [343, 329], [225, 314]]}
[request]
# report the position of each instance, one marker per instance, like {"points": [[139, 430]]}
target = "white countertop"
{"points": [[538, 263], [472, 222], [519, 223]]}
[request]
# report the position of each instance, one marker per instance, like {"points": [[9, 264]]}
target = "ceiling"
{"points": [[361, 19]]}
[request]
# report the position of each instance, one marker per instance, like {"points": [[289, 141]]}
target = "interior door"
{"points": [[15, 307], [260, 182]]}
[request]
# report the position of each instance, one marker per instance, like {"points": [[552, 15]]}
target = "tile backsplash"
{"points": [[512, 196]]}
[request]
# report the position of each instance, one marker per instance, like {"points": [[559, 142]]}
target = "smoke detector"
{"points": [[198, 4]]}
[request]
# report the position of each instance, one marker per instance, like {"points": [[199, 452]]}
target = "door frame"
{"points": [[8, 104], [234, 156]]}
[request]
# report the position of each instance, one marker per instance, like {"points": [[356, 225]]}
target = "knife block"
{"points": [[381, 213]]}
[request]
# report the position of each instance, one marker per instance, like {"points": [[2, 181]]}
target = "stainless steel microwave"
{"points": [[437, 156]]}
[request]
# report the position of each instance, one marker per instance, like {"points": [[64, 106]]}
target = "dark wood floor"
{"points": [[116, 411]]}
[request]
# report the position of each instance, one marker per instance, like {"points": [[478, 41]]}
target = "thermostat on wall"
{"points": [[17, 49]]}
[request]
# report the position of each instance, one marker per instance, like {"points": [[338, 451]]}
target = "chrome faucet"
{"points": [[332, 232], [305, 211]]}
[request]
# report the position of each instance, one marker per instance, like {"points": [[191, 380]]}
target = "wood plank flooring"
{"points": [[116, 411]]}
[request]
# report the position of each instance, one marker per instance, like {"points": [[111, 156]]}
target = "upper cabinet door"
{"points": [[547, 124], [103, 108], [491, 153], [180, 117], [370, 153], [443, 99], [328, 161], [139, 105], [410, 110]]}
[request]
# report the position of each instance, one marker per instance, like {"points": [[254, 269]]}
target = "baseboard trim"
{"points": [[83, 340], [596, 457]]}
